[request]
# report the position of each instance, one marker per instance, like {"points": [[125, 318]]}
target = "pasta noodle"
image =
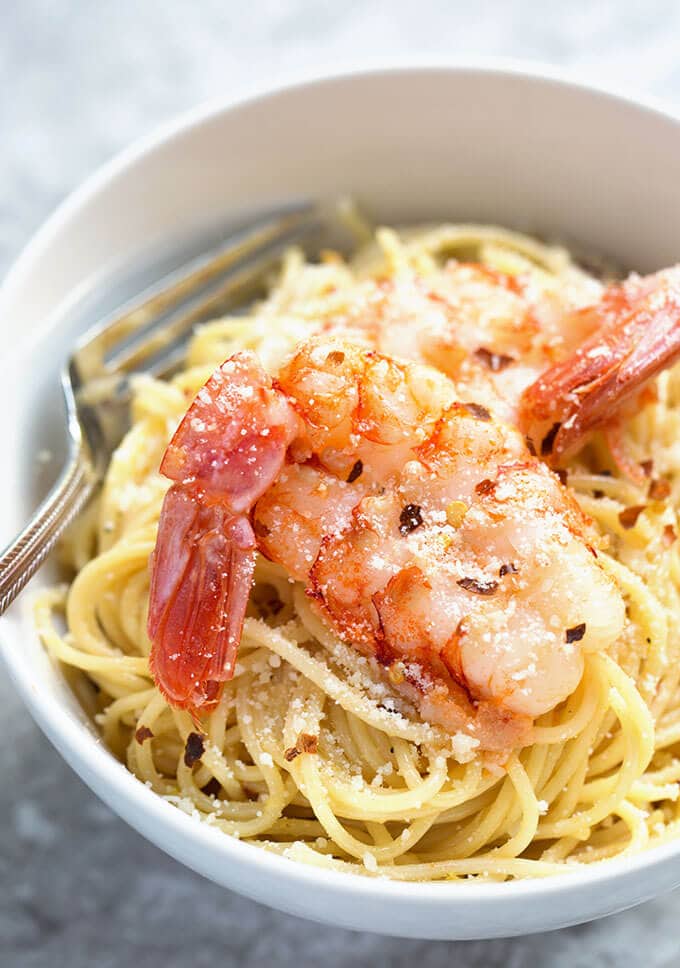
{"points": [[374, 789]]}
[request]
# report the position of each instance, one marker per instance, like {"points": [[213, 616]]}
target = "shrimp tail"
{"points": [[202, 569], [637, 335], [231, 443], [228, 449]]}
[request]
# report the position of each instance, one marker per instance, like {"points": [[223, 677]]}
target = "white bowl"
{"points": [[496, 144]]}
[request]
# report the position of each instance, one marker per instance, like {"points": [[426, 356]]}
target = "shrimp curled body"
{"points": [[557, 364], [425, 533]]}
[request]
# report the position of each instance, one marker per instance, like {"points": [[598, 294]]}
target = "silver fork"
{"points": [[147, 335]]}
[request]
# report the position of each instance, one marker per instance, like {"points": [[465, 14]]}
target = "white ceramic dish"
{"points": [[497, 144]]}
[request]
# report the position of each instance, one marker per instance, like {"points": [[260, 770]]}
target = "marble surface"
{"points": [[79, 80]]}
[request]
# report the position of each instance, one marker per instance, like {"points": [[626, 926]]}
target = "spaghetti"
{"points": [[309, 753]]}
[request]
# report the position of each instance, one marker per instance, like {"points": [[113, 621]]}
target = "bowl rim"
{"points": [[80, 748]]}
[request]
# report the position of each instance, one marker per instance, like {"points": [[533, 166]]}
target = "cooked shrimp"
{"points": [[491, 332], [558, 365], [635, 334], [424, 531], [540, 359], [226, 452]]}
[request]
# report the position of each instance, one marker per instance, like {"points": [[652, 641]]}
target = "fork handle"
{"points": [[22, 558]]}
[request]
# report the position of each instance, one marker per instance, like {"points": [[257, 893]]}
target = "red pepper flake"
{"points": [[335, 357], [410, 518], [576, 633], [531, 447], [478, 587], [549, 439], [647, 467], [194, 748], [143, 733], [669, 535], [356, 471], [494, 361], [478, 411], [485, 487], [305, 743], [659, 489], [509, 569], [628, 517], [598, 493]]}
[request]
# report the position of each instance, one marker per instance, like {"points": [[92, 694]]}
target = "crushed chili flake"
{"points": [[659, 489], [576, 633], [485, 487], [410, 518], [478, 587], [494, 361], [478, 411], [669, 535], [143, 733], [598, 493], [356, 471], [509, 569], [335, 356], [194, 748], [305, 743], [628, 517], [530, 446], [647, 467], [549, 439]]}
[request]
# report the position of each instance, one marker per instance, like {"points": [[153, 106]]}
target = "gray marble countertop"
{"points": [[79, 79]]}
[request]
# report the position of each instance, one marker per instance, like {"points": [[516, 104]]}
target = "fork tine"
{"points": [[183, 283], [240, 285], [170, 363]]}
